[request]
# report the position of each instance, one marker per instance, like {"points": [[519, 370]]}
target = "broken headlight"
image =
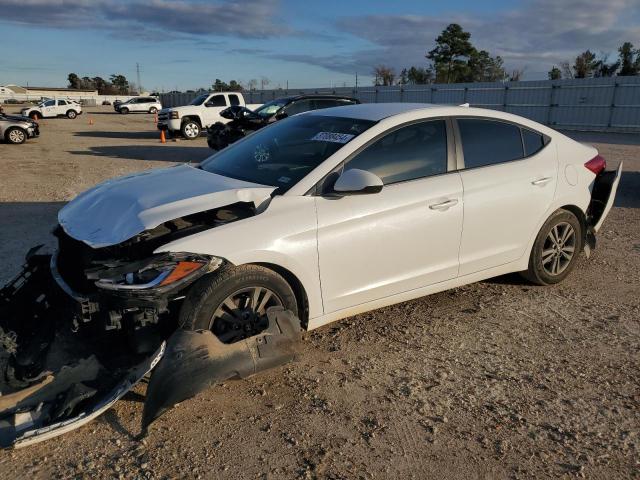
{"points": [[162, 271]]}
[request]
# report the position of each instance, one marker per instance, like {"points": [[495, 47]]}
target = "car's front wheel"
{"points": [[556, 249], [16, 135], [124, 110], [233, 302], [72, 114], [190, 129]]}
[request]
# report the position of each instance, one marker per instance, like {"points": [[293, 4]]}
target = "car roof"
{"points": [[372, 111], [321, 96]]}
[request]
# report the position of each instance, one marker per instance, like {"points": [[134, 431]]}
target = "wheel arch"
{"points": [[297, 286], [194, 118]]}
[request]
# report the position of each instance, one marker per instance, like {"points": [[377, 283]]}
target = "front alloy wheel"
{"points": [[233, 302], [190, 130], [16, 136], [243, 314]]}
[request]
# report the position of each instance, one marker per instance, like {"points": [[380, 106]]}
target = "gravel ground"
{"points": [[499, 379]]}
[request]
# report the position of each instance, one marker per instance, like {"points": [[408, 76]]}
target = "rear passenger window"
{"points": [[61, 102], [414, 151], [533, 142], [486, 142], [234, 100]]}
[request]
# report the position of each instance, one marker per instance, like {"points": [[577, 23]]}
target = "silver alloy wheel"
{"points": [[559, 248], [191, 130], [16, 136], [243, 313]]}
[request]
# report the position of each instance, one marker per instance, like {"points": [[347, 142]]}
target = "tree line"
{"points": [[454, 59], [588, 64], [116, 85]]}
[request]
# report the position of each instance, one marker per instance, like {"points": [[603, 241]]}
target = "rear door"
{"points": [[509, 177], [406, 236]]}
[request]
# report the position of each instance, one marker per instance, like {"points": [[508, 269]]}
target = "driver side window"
{"points": [[50, 103], [217, 101], [408, 153]]}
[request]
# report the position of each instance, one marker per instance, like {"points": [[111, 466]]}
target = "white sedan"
{"points": [[339, 211], [317, 217]]}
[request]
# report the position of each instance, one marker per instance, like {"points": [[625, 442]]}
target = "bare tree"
{"points": [[264, 81], [252, 84], [384, 75]]}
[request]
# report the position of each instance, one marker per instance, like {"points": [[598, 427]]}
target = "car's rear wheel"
{"points": [[71, 114], [153, 110], [16, 135], [190, 129], [124, 110], [556, 249], [233, 302]]}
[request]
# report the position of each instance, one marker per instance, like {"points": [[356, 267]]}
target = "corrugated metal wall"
{"points": [[608, 104]]}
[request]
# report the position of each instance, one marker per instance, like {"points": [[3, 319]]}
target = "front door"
{"points": [[213, 106], [405, 237]]}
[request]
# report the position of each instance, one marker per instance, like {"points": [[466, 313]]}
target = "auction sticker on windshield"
{"points": [[332, 137]]}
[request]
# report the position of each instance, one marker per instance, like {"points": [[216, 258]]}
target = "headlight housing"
{"points": [[161, 272], [174, 115]]}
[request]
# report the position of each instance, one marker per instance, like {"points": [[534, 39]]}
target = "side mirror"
{"points": [[357, 182]]}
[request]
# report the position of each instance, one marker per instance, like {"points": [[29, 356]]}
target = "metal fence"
{"points": [[606, 104]]}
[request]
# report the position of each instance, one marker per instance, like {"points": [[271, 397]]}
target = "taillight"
{"points": [[597, 164]]}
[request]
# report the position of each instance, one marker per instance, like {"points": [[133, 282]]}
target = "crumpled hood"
{"points": [[118, 209]]}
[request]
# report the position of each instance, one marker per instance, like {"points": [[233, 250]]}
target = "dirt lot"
{"points": [[494, 380]]}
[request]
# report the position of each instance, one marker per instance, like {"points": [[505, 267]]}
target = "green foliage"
{"points": [[629, 59], [555, 73], [232, 86]]}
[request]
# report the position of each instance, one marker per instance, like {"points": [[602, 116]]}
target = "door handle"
{"points": [[443, 205], [541, 181]]}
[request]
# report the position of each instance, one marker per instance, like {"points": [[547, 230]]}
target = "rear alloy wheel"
{"points": [[16, 135], [190, 130], [233, 302], [153, 110], [556, 249], [71, 114]]}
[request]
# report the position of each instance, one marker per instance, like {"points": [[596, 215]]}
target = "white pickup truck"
{"points": [[200, 114]]}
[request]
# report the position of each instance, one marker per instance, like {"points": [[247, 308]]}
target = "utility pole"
{"points": [[138, 73], [356, 81]]}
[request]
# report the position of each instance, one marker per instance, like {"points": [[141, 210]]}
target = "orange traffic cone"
{"points": [[162, 137], [90, 121]]}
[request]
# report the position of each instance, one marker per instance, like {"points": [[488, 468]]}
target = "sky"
{"points": [[187, 44]]}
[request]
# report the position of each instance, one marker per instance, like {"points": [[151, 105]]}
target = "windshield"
{"points": [[199, 100], [285, 152], [271, 108]]}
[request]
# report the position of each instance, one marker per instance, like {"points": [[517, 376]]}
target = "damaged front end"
{"points": [[79, 328]]}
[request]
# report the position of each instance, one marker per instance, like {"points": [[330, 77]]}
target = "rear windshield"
{"points": [[283, 153]]}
